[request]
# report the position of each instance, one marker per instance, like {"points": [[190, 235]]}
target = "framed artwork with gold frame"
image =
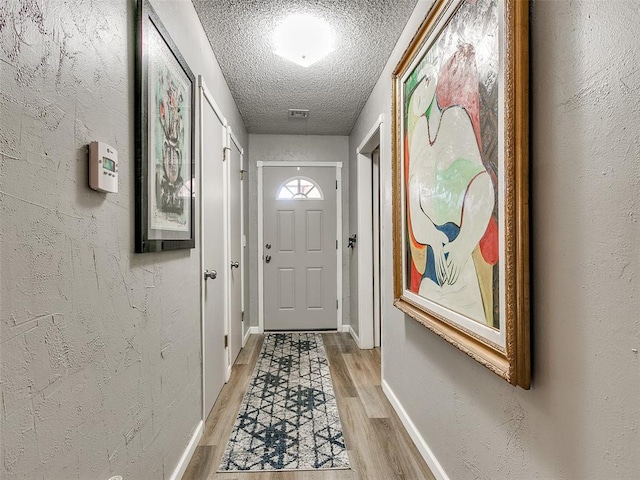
{"points": [[460, 204]]}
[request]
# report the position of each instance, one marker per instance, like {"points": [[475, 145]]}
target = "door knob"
{"points": [[210, 274], [267, 258], [235, 264]]}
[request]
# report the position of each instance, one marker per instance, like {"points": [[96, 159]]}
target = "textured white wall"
{"points": [[290, 148], [100, 347], [581, 418]]}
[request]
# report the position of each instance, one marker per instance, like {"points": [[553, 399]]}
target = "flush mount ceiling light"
{"points": [[303, 39]]}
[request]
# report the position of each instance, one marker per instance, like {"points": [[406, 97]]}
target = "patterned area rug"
{"points": [[289, 417]]}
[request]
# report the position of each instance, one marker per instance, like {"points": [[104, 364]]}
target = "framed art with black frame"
{"points": [[460, 204], [165, 139]]}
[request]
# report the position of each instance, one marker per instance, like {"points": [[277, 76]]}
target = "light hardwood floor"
{"points": [[378, 445]]}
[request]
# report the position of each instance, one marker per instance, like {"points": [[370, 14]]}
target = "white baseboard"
{"points": [[188, 453], [355, 336], [419, 442], [345, 328], [250, 331]]}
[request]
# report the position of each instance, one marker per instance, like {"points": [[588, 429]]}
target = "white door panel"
{"points": [[300, 256], [244, 265], [214, 360], [235, 252], [315, 283]]}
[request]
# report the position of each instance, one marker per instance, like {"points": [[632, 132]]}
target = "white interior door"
{"points": [[244, 265], [300, 248], [235, 249], [214, 361]]}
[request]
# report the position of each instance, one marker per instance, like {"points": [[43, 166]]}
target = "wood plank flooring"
{"points": [[378, 445]]}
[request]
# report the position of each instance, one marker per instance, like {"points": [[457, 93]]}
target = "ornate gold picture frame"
{"points": [[460, 205]]}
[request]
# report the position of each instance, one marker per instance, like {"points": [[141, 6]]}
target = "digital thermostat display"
{"points": [[108, 164], [103, 167]]}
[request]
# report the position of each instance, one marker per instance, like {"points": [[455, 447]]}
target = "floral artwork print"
{"points": [[169, 122]]}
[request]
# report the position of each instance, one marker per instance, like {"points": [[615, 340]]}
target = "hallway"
{"points": [[103, 350], [378, 445]]}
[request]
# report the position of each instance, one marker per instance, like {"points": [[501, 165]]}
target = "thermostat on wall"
{"points": [[103, 167]]}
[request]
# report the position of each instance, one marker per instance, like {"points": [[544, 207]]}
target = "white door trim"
{"points": [[338, 167], [205, 94], [364, 169], [298, 164], [339, 239]]}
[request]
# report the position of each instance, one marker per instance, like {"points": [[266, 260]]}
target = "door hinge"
{"points": [[242, 317], [336, 244], [226, 341], [225, 151], [336, 184], [241, 174], [337, 304]]}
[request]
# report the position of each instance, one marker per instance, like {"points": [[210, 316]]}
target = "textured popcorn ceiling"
{"points": [[335, 89]]}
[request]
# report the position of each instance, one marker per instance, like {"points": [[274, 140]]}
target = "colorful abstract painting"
{"points": [[451, 166], [461, 183]]}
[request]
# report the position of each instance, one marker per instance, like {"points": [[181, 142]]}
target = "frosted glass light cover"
{"points": [[304, 39]]}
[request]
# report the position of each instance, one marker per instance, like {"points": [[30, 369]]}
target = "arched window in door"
{"points": [[300, 188]]}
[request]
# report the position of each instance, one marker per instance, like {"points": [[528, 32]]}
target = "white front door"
{"points": [[300, 248], [235, 251], [214, 359]]}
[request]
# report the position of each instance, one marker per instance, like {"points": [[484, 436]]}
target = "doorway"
{"points": [[370, 268], [236, 247], [299, 224]]}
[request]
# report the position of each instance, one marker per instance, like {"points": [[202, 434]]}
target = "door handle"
{"points": [[210, 274], [267, 258], [235, 264]]}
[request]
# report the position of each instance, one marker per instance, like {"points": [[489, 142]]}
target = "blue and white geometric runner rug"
{"points": [[289, 417]]}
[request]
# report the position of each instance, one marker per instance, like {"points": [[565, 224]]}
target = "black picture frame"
{"points": [[165, 139]]}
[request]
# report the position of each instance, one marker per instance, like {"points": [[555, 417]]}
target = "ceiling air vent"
{"points": [[298, 113]]}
